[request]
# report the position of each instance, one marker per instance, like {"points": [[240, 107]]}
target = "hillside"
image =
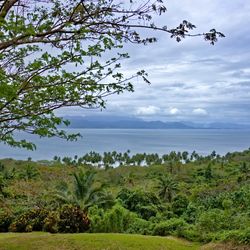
{"points": [[92, 242], [188, 196]]}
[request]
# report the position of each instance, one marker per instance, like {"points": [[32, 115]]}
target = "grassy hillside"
{"points": [[44, 241]]}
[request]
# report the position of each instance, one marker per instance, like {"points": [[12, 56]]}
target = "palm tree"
{"points": [[167, 187], [84, 192], [129, 179]]}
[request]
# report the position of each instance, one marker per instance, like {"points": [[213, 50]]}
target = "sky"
{"points": [[191, 81]]}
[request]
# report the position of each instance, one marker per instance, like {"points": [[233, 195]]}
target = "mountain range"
{"points": [[120, 122]]}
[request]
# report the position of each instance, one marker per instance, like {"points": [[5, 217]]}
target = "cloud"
{"points": [[192, 79], [149, 110], [199, 112], [174, 111]]}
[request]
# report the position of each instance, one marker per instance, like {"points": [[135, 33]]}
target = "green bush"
{"points": [[118, 219], [162, 216], [28, 173], [213, 220], [180, 204], [72, 220], [170, 227], [191, 213], [189, 232], [146, 212], [227, 203], [32, 220], [138, 201], [236, 236], [140, 226], [96, 216], [51, 222], [6, 219]]}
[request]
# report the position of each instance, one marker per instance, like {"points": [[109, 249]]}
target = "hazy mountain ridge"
{"points": [[121, 122]]}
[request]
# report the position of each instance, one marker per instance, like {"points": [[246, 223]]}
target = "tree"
{"points": [[52, 56], [84, 193], [167, 187], [208, 174]]}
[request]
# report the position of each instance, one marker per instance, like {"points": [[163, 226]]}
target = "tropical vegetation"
{"points": [[187, 195]]}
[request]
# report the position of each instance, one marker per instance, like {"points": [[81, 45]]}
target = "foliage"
{"points": [[141, 226], [28, 173], [51, 222], [167, 187], [215, 209], [72, 220], [118, 219], [30, 221], [96, 216], [191, 213], [190, 232], [180, 204], [169, 227], [213, 220], [84, 193], [144, 204], [68, 219], [237, 236], [6, 219]]}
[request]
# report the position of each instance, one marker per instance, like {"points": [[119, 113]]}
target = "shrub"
{"points": [[32, 220], [5, 220], [2, 167], [140, 226], [138, 201], [96, 216], [189, 232], [169, 227], [118, 219], [213, 220], [30, 172], [72, 220], [146, 212], [51, 222], [236, 236], [179, 204], [191, 213], [227, 203]]}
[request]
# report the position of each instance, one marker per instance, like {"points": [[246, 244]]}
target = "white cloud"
{"points": [[199, 111], [149, 110], [174, 111]]}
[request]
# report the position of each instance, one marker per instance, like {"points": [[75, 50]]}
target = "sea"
{"points": [[203, 141]]}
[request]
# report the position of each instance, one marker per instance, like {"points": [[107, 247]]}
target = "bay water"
{"points": [[203, 141]]}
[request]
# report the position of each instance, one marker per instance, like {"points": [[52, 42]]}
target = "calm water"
{"points": [[137, 141]]}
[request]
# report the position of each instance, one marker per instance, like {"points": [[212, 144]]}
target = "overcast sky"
{"points": [[191, 80]]}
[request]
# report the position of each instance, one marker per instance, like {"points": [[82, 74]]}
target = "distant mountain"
{"points": [[121, 122], [217, 125], [228, 126]]}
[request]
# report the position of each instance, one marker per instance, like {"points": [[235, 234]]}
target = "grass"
{"points": [[45, 241]]}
